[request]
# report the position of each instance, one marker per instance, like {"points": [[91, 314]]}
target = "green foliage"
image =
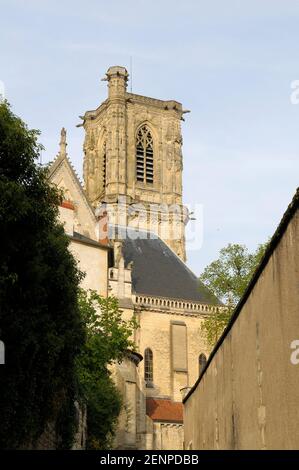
{"points": [[229, 275], [108, 337], [227, 278], [213, 326], [39, 315]]}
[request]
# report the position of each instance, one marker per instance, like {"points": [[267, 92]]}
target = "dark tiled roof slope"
{"points": [[158, 271], [88, 241]]}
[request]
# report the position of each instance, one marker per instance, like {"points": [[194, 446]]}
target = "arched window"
{"points": [[148, 367], [144, 155], [202, 360]]}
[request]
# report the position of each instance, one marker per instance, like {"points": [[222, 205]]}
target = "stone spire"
{"points": [[62, 144]]}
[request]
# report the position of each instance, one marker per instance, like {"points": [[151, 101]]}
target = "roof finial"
{"points": [[62, 143]]}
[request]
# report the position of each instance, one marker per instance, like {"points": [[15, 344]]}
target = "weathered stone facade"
{"points": [[80, 222], [132, 155], [110, 159]]}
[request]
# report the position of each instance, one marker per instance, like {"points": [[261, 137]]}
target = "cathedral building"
{"points": [[127, 229]]}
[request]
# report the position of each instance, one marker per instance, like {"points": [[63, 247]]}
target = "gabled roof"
{"points": [[63, 160], [158, 271]]}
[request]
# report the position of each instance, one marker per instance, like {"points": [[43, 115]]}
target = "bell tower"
{"points": [[133, 157]]}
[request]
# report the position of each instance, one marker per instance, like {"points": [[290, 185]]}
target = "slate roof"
{"points": [[87, 241], [158, 271]]}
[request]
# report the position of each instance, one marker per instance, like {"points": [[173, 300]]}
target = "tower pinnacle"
{"points": [[117, 78], [62, 143]]}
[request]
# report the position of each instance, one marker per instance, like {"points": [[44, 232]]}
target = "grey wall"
{"points": [[248, 398]]}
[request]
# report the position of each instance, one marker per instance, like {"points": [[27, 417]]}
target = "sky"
{"points": [[231, 63]]}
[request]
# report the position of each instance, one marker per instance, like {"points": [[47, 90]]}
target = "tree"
{"points": [[213, 326], [108, 337], [39, 280], [227, 278]]}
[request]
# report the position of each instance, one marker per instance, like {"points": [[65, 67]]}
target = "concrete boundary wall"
{"points": [[248, 395]]}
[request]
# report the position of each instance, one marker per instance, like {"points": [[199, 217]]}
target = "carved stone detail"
{"points": [[121, 115]]}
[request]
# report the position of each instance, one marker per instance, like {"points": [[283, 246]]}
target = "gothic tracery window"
{"points": [[144, 155], [202, 360], [148, 367]]}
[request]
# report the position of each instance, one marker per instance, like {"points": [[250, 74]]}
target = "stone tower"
{"points": [[133, 160]]}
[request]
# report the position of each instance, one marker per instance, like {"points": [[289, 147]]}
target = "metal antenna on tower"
{"points": [[131, 73]]}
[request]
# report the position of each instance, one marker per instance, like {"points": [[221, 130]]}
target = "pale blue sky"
{"points": [[230, 62]]}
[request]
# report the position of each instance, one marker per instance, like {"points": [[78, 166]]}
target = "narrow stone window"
{"points": [[202, 360], [144, 156], [148, 367]]}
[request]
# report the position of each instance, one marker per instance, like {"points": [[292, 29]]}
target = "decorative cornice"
{"points": [[93, 114], [170, 425], [168, 104], [175, 306]]}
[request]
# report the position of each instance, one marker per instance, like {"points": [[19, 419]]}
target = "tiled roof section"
{"points": [[158, 271], [163, 410], [87, 241], [67, 205]]}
